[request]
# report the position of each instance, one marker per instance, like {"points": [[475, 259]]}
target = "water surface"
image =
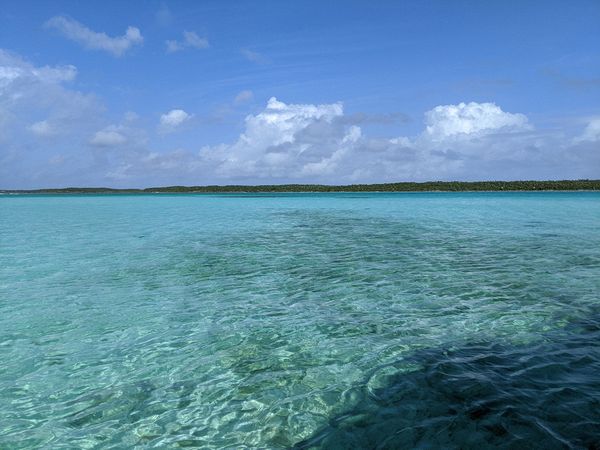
{"points": [[300, 320]]}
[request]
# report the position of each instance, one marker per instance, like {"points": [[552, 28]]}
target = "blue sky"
{"points": [[153, 93]]}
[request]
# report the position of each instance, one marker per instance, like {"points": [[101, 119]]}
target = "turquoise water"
{"points": [[300, 320]]}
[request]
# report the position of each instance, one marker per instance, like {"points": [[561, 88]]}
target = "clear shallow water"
{"points": [[308, 321]]}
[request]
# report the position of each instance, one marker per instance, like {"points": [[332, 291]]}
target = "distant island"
{"points": [[429, 186]]}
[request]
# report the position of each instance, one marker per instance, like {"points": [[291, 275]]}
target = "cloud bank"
{"points": [[310, 143], [51, 134]]}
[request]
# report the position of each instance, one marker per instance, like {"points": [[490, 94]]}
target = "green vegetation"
{"points": [[450, 186]]}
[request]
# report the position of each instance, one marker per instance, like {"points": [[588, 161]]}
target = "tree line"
{"points": [[447, 186]]}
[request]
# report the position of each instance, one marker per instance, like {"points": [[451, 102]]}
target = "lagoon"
{"points": [[330, 320]]}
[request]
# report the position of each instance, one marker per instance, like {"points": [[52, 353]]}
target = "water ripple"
{"points": [[380, 321]]}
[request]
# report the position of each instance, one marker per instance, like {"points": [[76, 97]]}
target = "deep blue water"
{"points": [[431, 320]]}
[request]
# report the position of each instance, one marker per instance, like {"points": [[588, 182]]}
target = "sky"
{"points": [[141, 94]]}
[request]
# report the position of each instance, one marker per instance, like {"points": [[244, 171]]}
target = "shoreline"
{"points": [[585, 185], [525, 191]]}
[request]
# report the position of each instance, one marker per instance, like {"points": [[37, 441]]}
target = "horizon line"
{"points": [[594, 184]]}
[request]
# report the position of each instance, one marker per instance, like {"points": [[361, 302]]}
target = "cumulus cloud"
{"points": [[285, 139], [471, 119], [94, 40], [319, 143], [190, 40], [109, 137], [173, 119]]}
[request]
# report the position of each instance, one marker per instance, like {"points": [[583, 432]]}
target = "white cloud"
{"points": [[279, 122], [28, 92], [402, 141], [115, 136], [109, 137], [173, 119], [13, 69], [42, 115], [243, 97], [284, 140], [57, 74], [8, 74], [591, 133], [466, 119], [94, 40], [190, 40]]}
